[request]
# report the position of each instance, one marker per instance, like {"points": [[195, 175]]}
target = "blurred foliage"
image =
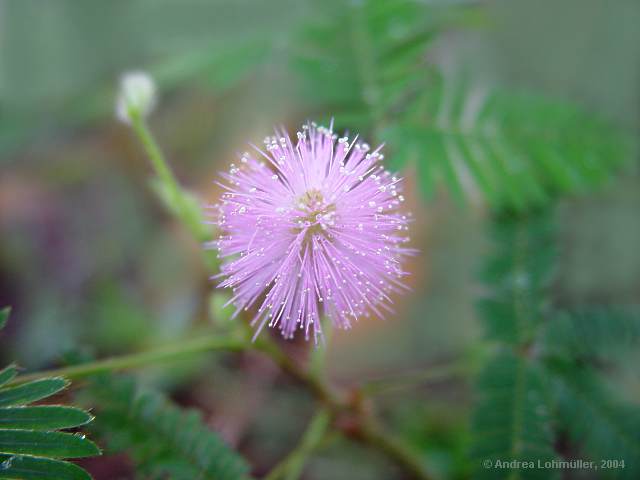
{"points": [[544, 378], [164, 440], [365, 64], [93, 265], [516, 150], [512, 416]]}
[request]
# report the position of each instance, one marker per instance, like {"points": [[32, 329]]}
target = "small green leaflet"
{"points": [[4, 316], [31, 448], [26, 467], [32, 391], [45, 417]]}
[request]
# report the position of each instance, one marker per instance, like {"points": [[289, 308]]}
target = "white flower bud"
{"points": [[137, 94]]}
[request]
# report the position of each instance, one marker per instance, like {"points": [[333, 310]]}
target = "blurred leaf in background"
{"points": [[94, 264]]}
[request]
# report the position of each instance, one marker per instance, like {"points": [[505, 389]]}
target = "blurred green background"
{"points": [[92, 263]]}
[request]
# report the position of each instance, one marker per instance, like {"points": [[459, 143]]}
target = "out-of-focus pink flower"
{"points": [[309, 229]]}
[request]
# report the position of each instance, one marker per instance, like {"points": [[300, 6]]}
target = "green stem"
{"points": [[372, 435], [291, 467], [318, 387], [155, 154], [368, 432], [179, 201], [134, 360]]}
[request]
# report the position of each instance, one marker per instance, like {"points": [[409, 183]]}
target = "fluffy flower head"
{"points": [[311, 229]]}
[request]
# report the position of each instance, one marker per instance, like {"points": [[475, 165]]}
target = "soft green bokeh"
{"points": [[93, 264]]}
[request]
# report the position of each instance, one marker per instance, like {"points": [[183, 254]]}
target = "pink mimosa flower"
{"points": [[311, 229]]}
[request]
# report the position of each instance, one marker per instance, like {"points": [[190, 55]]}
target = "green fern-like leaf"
{"points": [[602, 426], [365, 63], [164, 440], [593, 334], [31, 447], [518, 275], [358, 60], [512, 419], [516, 150]]}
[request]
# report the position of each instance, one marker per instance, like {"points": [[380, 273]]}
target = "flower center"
{"points": [[314, 214]]}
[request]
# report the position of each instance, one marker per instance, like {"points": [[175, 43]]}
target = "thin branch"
{"points": [[321, 390], [415, 379], [156, 157], [134, 360], [179, 201], [372, 435], [290, 468], [364, 428]]}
